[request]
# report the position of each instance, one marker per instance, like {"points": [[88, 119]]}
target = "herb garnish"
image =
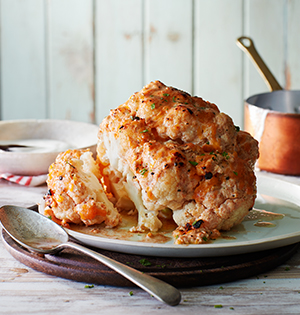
{"points": [[225, 154], [197, 224], [143, 171], [145, 262], [194, 163], [70, 164], [152, 106]]}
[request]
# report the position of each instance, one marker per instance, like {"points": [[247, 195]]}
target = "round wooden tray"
{"points": [[180, 272]]}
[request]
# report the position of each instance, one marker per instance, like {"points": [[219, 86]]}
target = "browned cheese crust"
{"points": [[181, 153]]}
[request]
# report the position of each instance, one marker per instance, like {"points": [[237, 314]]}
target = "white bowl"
{"points": [[47, 138]]}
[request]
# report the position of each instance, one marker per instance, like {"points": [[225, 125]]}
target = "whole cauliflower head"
{"points": [[166, 149]]}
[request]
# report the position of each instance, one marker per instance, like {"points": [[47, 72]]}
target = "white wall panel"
{"points": [[118, 52], [169, 42], [293, 46], [265, 23], [77, 59], [23, 85], [218, 61], [70, 59]]}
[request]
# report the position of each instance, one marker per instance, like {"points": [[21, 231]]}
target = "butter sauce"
{"points": [[258, 214], [122, 232], [38, 145], [264, 224], [261, 216]]}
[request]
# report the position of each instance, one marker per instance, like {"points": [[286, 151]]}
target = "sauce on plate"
{"points": [[38, 145]]}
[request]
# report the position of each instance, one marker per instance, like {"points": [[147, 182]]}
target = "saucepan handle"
{"points": [[247, 45]]}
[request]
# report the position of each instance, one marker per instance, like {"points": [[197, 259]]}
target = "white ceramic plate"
{"points": [[275, 196], [47, 138]]}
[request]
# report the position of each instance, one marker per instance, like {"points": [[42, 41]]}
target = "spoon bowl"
{"points": [[40, 234]]}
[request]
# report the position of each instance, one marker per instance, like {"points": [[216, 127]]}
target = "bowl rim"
{"points": [[89, 145]]}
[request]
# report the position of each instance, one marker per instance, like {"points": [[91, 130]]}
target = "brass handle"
{"points": [[247, 45]]}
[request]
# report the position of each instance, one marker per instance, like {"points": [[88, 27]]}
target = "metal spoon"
{"points": [[38, 233]]}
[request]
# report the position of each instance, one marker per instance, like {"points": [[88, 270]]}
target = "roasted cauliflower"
{"points": [[166, 149], [75, 192]]}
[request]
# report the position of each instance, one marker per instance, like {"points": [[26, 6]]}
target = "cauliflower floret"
{"points": [[171, 150], [75, 193], [126, 190]]}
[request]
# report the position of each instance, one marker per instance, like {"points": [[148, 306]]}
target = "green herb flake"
{"points": [[50, 217], [237, 128], [166, 94], [231, 308], [89, 286], [218, 306], [70, 164], [153, 106], [204, 238], [131, 117], [131, 293], [235, 173], [145, 262], [194, 163], [173, 99], [161, 266], [143, 171], [287, 269], [225, 154], [144, 131]]}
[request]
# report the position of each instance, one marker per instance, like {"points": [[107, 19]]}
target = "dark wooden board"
{"points": [[180, 272]]}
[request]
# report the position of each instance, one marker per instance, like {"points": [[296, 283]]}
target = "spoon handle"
{"points": [[159, 289]]}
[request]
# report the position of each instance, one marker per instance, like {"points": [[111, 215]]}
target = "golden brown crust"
{"points": [[183, 154], [75, 193]]}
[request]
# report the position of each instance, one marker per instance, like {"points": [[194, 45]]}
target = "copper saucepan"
{"points": [[273, 118]]}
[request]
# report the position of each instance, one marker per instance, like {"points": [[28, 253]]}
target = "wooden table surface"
{"points": [[26, 291]]}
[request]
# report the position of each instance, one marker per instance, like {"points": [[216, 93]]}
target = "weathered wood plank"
{"points": [[70, 59], [25, 291], [218, 61], [23, 77], [118, 52], [169, 42]]}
